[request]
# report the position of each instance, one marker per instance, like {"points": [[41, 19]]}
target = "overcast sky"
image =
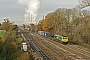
{"points": [[15, 12]]}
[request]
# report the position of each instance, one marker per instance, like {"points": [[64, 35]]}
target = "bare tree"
{"points": [[84, 3]]}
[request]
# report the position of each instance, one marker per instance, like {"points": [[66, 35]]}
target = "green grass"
{"points": [[2, 33]]}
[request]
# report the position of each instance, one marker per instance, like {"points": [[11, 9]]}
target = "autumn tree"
{"points": [[73, 22], [9, 41], [40, 24]]}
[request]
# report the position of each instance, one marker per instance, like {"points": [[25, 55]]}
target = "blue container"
{"points": [[46, 34], [38, 32], [43, 33]]}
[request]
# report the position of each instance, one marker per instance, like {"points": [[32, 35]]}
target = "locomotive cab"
{"points": [[64, 39]]}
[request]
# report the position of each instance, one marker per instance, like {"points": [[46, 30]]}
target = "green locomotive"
{"points": [[63, 39]]}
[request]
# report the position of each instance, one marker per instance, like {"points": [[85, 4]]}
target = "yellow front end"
{"points": [[65, 39]]}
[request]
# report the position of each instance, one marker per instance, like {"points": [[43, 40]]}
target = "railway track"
{"points": [[55, 50], [72, 51], [51, 52], [77, 51], [35, 47], [80, 53], [59, 51]]}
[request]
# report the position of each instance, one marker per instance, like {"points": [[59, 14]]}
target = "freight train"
{"points": [[62, 39]]}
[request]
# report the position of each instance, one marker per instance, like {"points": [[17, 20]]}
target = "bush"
{"points": [[11, 47], [13, 55]]}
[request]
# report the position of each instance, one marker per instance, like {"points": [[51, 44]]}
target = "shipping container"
{"points": [[41, 32], [38, 32], [47, 34]]}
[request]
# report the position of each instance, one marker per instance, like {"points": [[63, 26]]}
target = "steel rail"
{"points": [[36, 47]]}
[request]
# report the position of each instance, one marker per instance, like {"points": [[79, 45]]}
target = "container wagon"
{"points": [[38, 32], [46, 34]]}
